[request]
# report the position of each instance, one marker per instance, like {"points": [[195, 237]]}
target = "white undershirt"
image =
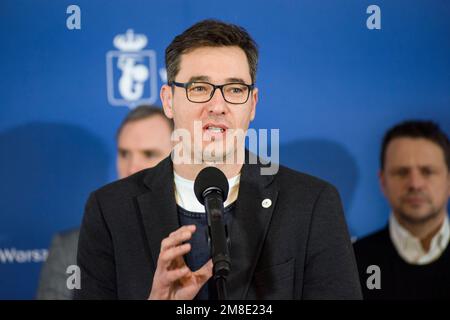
{"points": [[410, 248], [185, 196]]}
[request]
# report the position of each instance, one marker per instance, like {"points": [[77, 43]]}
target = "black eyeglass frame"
{"points": [[186, 85]]}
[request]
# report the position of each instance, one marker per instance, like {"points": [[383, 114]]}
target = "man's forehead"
{"points": [[140, 143], [413, 146], [145, 130], [214, 64], [410, 152]]}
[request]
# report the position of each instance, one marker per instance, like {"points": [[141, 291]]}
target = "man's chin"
{"points": [[216, 152], [417, 215], [215, 158]]}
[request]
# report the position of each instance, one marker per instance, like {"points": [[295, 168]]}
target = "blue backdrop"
{"points": [[331, 85]]}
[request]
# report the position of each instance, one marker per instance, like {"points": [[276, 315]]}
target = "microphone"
{"points": [[211, 189]]}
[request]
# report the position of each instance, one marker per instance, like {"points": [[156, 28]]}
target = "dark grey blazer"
{"points": [[298, 248], [53, 279]]}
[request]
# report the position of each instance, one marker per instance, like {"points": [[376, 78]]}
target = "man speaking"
{"points": [[145, 237]]}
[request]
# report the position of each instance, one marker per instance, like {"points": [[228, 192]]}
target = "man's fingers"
{"points": [[176, 274], [190, 227], [168, 255], [178, 236], [204, 273]]}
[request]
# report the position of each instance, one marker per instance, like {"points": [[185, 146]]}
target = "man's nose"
{"points": [[217, 104], [134, 166], [415, 180]]}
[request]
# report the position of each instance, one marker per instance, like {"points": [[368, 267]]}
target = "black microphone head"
{"points": [[210, 177]]}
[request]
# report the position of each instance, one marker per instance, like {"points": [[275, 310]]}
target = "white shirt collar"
{"points": [[185, 196], [410, 248]]}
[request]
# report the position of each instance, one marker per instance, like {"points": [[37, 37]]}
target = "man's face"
{"points": [[142, 144], [415, 179], [216, 65]]}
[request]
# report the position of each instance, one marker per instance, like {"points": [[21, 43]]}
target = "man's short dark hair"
{"points": [[143, 112], [210, 33], [417, 129]]}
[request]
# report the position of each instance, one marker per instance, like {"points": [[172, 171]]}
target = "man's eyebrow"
{"points": [[400, 167], [429, 166], [238, 80], [208, 79], [199, 78], [152, 151], [409, 168]]}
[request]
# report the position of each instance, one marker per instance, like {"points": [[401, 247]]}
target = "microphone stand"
{"points": [[218, 236]]}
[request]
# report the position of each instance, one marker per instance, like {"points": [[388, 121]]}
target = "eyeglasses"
{"points": [[200, 92]]}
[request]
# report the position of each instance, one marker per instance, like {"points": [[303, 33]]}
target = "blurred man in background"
{"points": [[411, 255], [143, 140]]}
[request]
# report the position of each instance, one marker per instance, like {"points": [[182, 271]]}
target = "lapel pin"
{"points": [[266, 203]]}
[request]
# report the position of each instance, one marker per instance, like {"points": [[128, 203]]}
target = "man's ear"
{"points": [[254, 102], [382, 180], [167, 100], [448, 182]]}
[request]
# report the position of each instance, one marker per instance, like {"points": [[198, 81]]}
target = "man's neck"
{"points": [[426, 231], [190, 171]]}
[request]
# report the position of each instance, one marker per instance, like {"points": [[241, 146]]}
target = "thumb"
{"points": [[205, 272]]}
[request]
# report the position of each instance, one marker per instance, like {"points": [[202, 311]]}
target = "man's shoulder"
{"points": [[291, 179], [129, 187], [287, 179], [373, 242], [67, 237]]}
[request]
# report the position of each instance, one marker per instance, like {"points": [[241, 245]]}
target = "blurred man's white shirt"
{"points": [[410, 247]]}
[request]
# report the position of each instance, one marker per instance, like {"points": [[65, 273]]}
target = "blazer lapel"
{"points": [[249, 227], [158, 207]]}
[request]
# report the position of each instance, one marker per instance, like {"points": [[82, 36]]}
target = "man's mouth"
{"points": [[214, 130], [415, 199]]}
